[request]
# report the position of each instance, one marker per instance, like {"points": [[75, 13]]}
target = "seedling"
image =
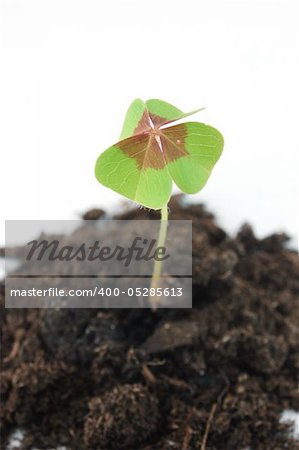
{"points": [[152, 153]]}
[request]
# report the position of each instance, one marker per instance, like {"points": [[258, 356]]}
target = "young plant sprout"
{"points": [[152, 153]]}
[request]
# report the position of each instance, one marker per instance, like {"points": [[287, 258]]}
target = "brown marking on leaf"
{"points": [[144, 123], [145, 150], [150, 121], [173, 142], [158, 121], [145, 147]]}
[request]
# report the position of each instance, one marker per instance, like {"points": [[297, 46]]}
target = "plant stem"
{"points": [[158, 264]]}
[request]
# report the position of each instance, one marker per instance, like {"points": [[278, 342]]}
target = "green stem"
{"points": [[158, 264]]}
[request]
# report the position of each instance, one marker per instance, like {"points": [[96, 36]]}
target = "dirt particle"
{"points": [[171, 335], [122, 418], [264, 354], [93, 214]]}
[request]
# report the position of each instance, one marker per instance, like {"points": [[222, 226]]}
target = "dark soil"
{"points": [[215, 377]]}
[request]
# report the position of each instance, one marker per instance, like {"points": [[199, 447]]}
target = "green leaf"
{"points": [[204, 145], [152, 154], [121, 173], [133, 117]]}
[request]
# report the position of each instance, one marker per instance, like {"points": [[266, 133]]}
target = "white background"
{"points": [[69, 70]]}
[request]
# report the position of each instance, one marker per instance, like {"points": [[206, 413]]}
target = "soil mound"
{"points": [[215, 377]]}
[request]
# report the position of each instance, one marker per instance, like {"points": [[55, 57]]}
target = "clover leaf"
{"points": [[153, 152]]}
